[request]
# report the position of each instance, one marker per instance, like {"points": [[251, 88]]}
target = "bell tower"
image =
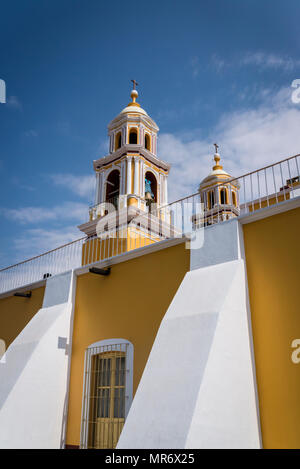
{"points": [[131, 177], [131, 174], [219, 194]]}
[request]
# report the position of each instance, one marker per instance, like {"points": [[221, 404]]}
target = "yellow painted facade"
{"points": [[273, 260], [130, 304], [16, 312], [95, 249]]}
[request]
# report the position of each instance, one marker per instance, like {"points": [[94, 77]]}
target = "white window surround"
{"points": [[91, 350]]}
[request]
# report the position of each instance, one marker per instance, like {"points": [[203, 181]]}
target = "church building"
{"points": [[166, 324]]}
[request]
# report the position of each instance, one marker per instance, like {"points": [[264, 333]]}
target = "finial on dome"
{"points": [[217, 158], [134, 94]]}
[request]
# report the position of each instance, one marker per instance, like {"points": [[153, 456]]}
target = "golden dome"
{"points": [[217, 175]]}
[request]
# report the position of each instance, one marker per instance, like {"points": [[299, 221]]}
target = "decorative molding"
{"points": [[125, 149]]}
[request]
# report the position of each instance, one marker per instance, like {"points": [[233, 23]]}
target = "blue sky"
{"points": [[217, 70]]}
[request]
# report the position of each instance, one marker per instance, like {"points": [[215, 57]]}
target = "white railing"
{"points": [[259, 189], [37, 268]]}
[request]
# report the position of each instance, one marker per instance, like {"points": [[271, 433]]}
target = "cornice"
{"points": [[122, 118], [130, 148]]}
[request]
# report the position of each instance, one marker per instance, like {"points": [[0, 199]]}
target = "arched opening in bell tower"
{"points": [[211, 199], [223, 196], [133, 136], [118, 141], [147, 142], [113, 187], [150, 187], [234, 200]]}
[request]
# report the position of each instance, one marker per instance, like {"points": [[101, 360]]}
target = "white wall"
{"points": [[223, 242], [33, 379], [198, 388]]}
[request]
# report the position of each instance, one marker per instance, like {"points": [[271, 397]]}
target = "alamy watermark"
{"points": [[296, 93], [296, 353], [157, 223], [2, 351], [2, 92]]}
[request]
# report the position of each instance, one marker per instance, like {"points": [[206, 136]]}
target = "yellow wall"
{"points": [[16, 312], [273, 268], [128, 304], [94, 249]]}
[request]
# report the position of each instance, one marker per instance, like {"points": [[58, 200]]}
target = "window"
{"points": [[234, 199], [118, 141], [107, 392], [147, 141], [133, 136], [113, 188], [223, 196], [150, 187], [211, 199]]}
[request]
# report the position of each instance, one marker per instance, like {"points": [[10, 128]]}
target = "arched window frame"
{"points": [[132, 130], [118, 140], [114, 168], [234, 198], [211, 199], [149, 170], [225, 192], [147, 138], [92, 350]]}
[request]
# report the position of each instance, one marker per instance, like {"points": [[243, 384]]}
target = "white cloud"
{"points": [[14, 103], [265, 60], [248, 139], [84, 186], [66, 211], [217, 62], [259, 59], [36, 241], [16, 181]]}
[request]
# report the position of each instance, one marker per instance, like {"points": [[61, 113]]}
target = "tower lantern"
{"points": [[219, 193]]}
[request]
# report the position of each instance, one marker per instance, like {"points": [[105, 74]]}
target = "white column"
{"points": [[111, 142], [97, 188], [129, 175], [166, 189], [102, 187], [136, 176], [142, 179], [161, 189], [122, 178]]}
